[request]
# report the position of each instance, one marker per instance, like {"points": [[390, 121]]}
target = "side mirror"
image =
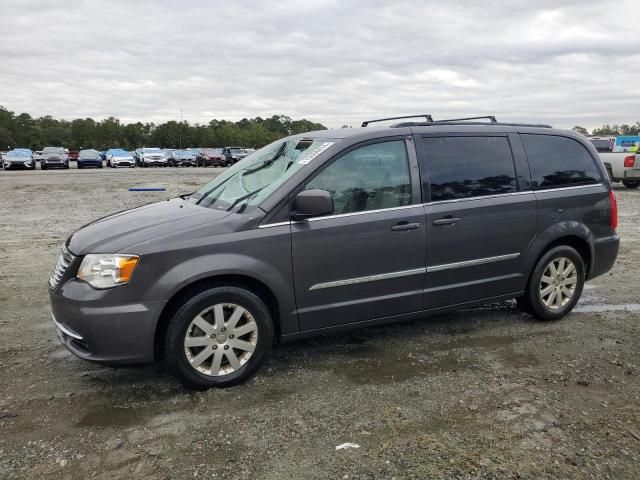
{"points": [[311, 203]]}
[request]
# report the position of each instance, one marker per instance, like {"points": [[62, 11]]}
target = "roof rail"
{"points": [[489, 117], [427, 117]]}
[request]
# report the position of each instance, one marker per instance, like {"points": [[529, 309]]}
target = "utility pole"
{"points": [[180, 128]]}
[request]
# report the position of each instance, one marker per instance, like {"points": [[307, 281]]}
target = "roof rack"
{"points": [[491, 118], [427, 117]]}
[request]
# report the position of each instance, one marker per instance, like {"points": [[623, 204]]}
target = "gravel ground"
{"points": [[482, 393]]}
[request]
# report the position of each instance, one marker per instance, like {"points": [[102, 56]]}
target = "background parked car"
{"points": [[168, 153], [149, 157], [19, 158], [211, 157], [73, 154], [54, 157], [116, 157], [89, 158], [182, 158], [233, 154]]}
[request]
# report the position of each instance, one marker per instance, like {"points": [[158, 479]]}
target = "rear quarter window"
{"points": [[557, 162]]}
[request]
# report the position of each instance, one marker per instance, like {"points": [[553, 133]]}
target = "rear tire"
{"points": [[631, 183], [217, 359], [555, 285]]}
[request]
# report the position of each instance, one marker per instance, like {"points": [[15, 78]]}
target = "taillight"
{"points": [[614, 210], [629, 161]]}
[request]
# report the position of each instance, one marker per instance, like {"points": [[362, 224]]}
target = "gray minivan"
{"points": [[337, 229]]}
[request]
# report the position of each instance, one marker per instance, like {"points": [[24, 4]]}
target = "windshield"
{"points": [[88, 153], [53, 150], [16, 154], [152, 150], [237, 150], [254, 178]]}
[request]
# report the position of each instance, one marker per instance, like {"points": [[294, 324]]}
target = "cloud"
{"points": [[336, 62]]}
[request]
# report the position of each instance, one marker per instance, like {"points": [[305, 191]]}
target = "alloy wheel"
{"points": [[221, 339], [558, 283]]}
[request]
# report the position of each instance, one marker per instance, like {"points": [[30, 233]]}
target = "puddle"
{"points": [[114, 417], [399, 369], [628, 307], [486, 342]]}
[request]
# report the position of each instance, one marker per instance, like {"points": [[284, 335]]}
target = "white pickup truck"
{"points": [[622, 167]]}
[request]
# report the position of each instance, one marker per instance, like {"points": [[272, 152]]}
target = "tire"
{"points": [[43, 166], [631, 183], [179, 358], [547, 300], [66, 166]]}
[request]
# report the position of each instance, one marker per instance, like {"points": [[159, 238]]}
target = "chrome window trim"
{"points": [[575, 187], [368, 278], [341, 215], [438, 202], [471, 263], [523, 192]]}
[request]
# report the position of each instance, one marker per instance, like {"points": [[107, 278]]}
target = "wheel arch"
{"points": [[236, 280]]}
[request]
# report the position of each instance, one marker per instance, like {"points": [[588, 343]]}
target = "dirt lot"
{"points": [[483, 393]]}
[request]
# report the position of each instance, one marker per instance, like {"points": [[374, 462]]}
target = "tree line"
{"points": [[22, 130], [611, 130]]}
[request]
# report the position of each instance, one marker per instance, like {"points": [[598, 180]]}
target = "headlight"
{"points": [[106, 270]]}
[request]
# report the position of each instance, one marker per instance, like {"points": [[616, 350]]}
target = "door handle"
{"points": [[404, 226], [448, 220]]}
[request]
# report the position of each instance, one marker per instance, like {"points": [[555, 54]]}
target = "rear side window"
{"points": [[463, 167], [557, 162]]}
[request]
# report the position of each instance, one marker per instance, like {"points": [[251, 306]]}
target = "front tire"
{"points": [[555, 285], [631, 183], [218, 337]]}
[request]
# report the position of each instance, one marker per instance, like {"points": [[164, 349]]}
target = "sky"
{"points": [[335, 62]]}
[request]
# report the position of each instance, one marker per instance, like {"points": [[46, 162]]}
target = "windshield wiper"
{"points": [[266, 163], [244, 197]]}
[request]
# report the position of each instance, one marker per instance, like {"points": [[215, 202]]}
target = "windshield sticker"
{"points": [[321, 148]]}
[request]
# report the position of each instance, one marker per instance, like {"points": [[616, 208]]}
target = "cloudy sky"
{"points": [[336, 62]]}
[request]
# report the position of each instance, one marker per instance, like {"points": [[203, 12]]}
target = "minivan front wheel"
{"points": [[218, 337], [556, 284]]}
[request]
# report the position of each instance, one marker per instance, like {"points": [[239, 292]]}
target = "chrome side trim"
{"points": [[471, 263], [369, 278], [65, 330]]}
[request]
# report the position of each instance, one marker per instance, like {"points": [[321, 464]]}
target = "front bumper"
{"points": [[150, 162], [97, 325], [19, 165]]}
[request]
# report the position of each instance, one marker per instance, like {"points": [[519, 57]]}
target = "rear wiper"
{"points": [[185, 195], [244, 197]]}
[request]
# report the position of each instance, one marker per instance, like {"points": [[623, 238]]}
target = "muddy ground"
{"points": [[483, 393]]}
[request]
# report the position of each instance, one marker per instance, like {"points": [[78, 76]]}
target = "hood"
{"points": [[114, 233]]}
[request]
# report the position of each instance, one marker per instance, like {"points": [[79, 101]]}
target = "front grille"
{"points": [[64, 260]]}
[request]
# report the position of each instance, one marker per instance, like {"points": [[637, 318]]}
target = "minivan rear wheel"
{"points": [[631, 183], [218, 337], [555, 285]]}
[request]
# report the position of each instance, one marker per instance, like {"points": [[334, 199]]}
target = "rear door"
{"points": [[367, 260], [481, 216]]}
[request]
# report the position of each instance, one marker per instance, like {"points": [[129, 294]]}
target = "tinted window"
{"points": [[367, 178], [462, 167], [559, 162]]}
